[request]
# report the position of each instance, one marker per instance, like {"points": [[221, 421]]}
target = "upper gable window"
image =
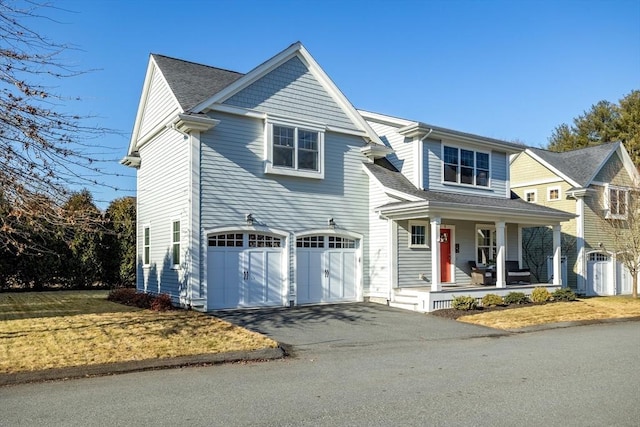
{"points": [[295, 150], [617, 200], [553, 194], [530, 196], [466, 167]]}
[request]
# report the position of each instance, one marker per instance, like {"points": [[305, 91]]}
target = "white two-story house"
{"points": [[270, 189]]}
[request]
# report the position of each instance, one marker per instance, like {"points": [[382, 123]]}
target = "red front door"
{"points": [[445, 255]]}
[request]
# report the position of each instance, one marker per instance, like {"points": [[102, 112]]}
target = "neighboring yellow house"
{"points": [[593, 183]]}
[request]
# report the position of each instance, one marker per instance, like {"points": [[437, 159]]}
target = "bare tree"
{"points": [[44, 149], [624, 229], [537, 245]]}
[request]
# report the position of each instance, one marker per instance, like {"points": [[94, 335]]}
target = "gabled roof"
{"points": [[579, 167], [397, 184], [193, 83]]}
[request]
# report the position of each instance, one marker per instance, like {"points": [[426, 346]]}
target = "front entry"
{"points": [[445, 255]]}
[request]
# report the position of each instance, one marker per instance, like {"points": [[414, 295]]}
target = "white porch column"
{"points": [[557, 258], [500, 256], [581, 266], [435, 254]]}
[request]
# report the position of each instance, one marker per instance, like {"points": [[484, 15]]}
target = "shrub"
{"points": [[516, 298], [464, 303], [122, 295], [563, 294], [161, 303], [492, 300], [540, 295]]}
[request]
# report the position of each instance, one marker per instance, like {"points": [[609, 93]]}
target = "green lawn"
{"points": [[41, 330]]}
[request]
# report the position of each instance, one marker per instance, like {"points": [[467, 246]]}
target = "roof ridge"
{"points": [[590, 147]]}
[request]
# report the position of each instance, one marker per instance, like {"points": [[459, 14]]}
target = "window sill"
{"points": [[475, 187], [270, 170], [418, 247]]}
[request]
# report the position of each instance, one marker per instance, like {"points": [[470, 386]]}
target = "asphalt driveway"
{"points": [[317, 328]]}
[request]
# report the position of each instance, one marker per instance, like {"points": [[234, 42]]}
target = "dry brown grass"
{"points": [[62, 329], [582, 310]]}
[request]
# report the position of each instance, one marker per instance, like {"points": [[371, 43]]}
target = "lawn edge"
{"points": [[572, 323], [104, 369]]}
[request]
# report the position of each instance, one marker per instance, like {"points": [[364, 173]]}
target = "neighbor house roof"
{"points": [[580, 165], [193, 83]]}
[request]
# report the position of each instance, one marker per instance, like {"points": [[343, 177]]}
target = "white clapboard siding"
{"points": [[163, 188], [379, 274], [159, 105], [403, 157]]}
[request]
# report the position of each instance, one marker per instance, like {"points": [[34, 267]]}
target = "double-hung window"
{"points": [[175, 243], [418, 234], [467, 167], [295, 150], [147, 246], [617, 201], [486, 244]]}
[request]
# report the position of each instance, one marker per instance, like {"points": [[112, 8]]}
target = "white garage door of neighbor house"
{"points": [[245, 270], [326, 269], [599, 274]]}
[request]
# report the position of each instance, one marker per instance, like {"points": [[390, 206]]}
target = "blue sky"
{"points": [[512, 70]]}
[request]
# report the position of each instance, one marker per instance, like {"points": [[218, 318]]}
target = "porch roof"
{"points": [[426, 203]]}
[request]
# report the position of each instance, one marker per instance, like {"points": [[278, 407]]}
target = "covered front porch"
{"points": [[436, 247]]}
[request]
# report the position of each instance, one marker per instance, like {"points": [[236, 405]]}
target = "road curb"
{"points": [[140, 365]]}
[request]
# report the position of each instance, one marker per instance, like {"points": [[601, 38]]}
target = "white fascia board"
{"points": [[384, 119], [188, 122], [151, 68], [551, 168]]}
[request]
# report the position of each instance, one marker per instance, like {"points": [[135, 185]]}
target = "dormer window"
{"points": [[295, 150], [467, 167]]}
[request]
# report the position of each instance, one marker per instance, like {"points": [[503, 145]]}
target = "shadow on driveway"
{"points": [[358, 324]]}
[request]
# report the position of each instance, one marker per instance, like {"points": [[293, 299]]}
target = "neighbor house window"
{"points": [[418, 234], [468, 167], [486, 244], [617, 202], [294, 150], [175, 243], [553, 193], [530, 196], [147, 246]]}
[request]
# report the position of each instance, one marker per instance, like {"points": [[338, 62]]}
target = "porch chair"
{"points": [[480, 275], [515, 274]]}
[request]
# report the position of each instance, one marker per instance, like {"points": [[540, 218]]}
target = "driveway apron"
{"points": [[309, 328]]}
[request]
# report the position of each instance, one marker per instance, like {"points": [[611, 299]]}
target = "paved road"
{"points": [[581, 376]]}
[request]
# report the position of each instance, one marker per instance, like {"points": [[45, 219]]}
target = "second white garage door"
{"points": [[326, 269]]}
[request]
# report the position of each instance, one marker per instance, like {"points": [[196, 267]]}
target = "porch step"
{"points": [[411, 306]]}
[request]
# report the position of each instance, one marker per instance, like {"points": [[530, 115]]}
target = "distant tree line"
{"points": [[72, 257]]}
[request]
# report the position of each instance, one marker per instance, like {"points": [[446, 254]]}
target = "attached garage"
{"points": [[245, 269], [326, 269]]}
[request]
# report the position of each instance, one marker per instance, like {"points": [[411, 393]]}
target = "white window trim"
{"points": [[535, 196], [146, 262], [458, 147], [280, 170], [491, 227], [607, 201], [550, 189], [418, 223], [173, 243]]}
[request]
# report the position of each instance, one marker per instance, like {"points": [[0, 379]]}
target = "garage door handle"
{"points": [[246, 275], [326, 273]]}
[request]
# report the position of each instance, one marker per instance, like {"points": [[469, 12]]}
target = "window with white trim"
{"points": [[175, 243], [486, 250], [530, 196], [468, 167], [295, 150], [418, 234], [147, 246], [553, 194], [617, 200]]}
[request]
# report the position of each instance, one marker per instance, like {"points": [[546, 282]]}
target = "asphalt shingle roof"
{"points": [[394, 180], [580, 165], [193, 83]]}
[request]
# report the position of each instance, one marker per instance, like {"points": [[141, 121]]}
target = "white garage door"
{"points": [[599, 274], [326, 269], [624, 279], [245, 270]]}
